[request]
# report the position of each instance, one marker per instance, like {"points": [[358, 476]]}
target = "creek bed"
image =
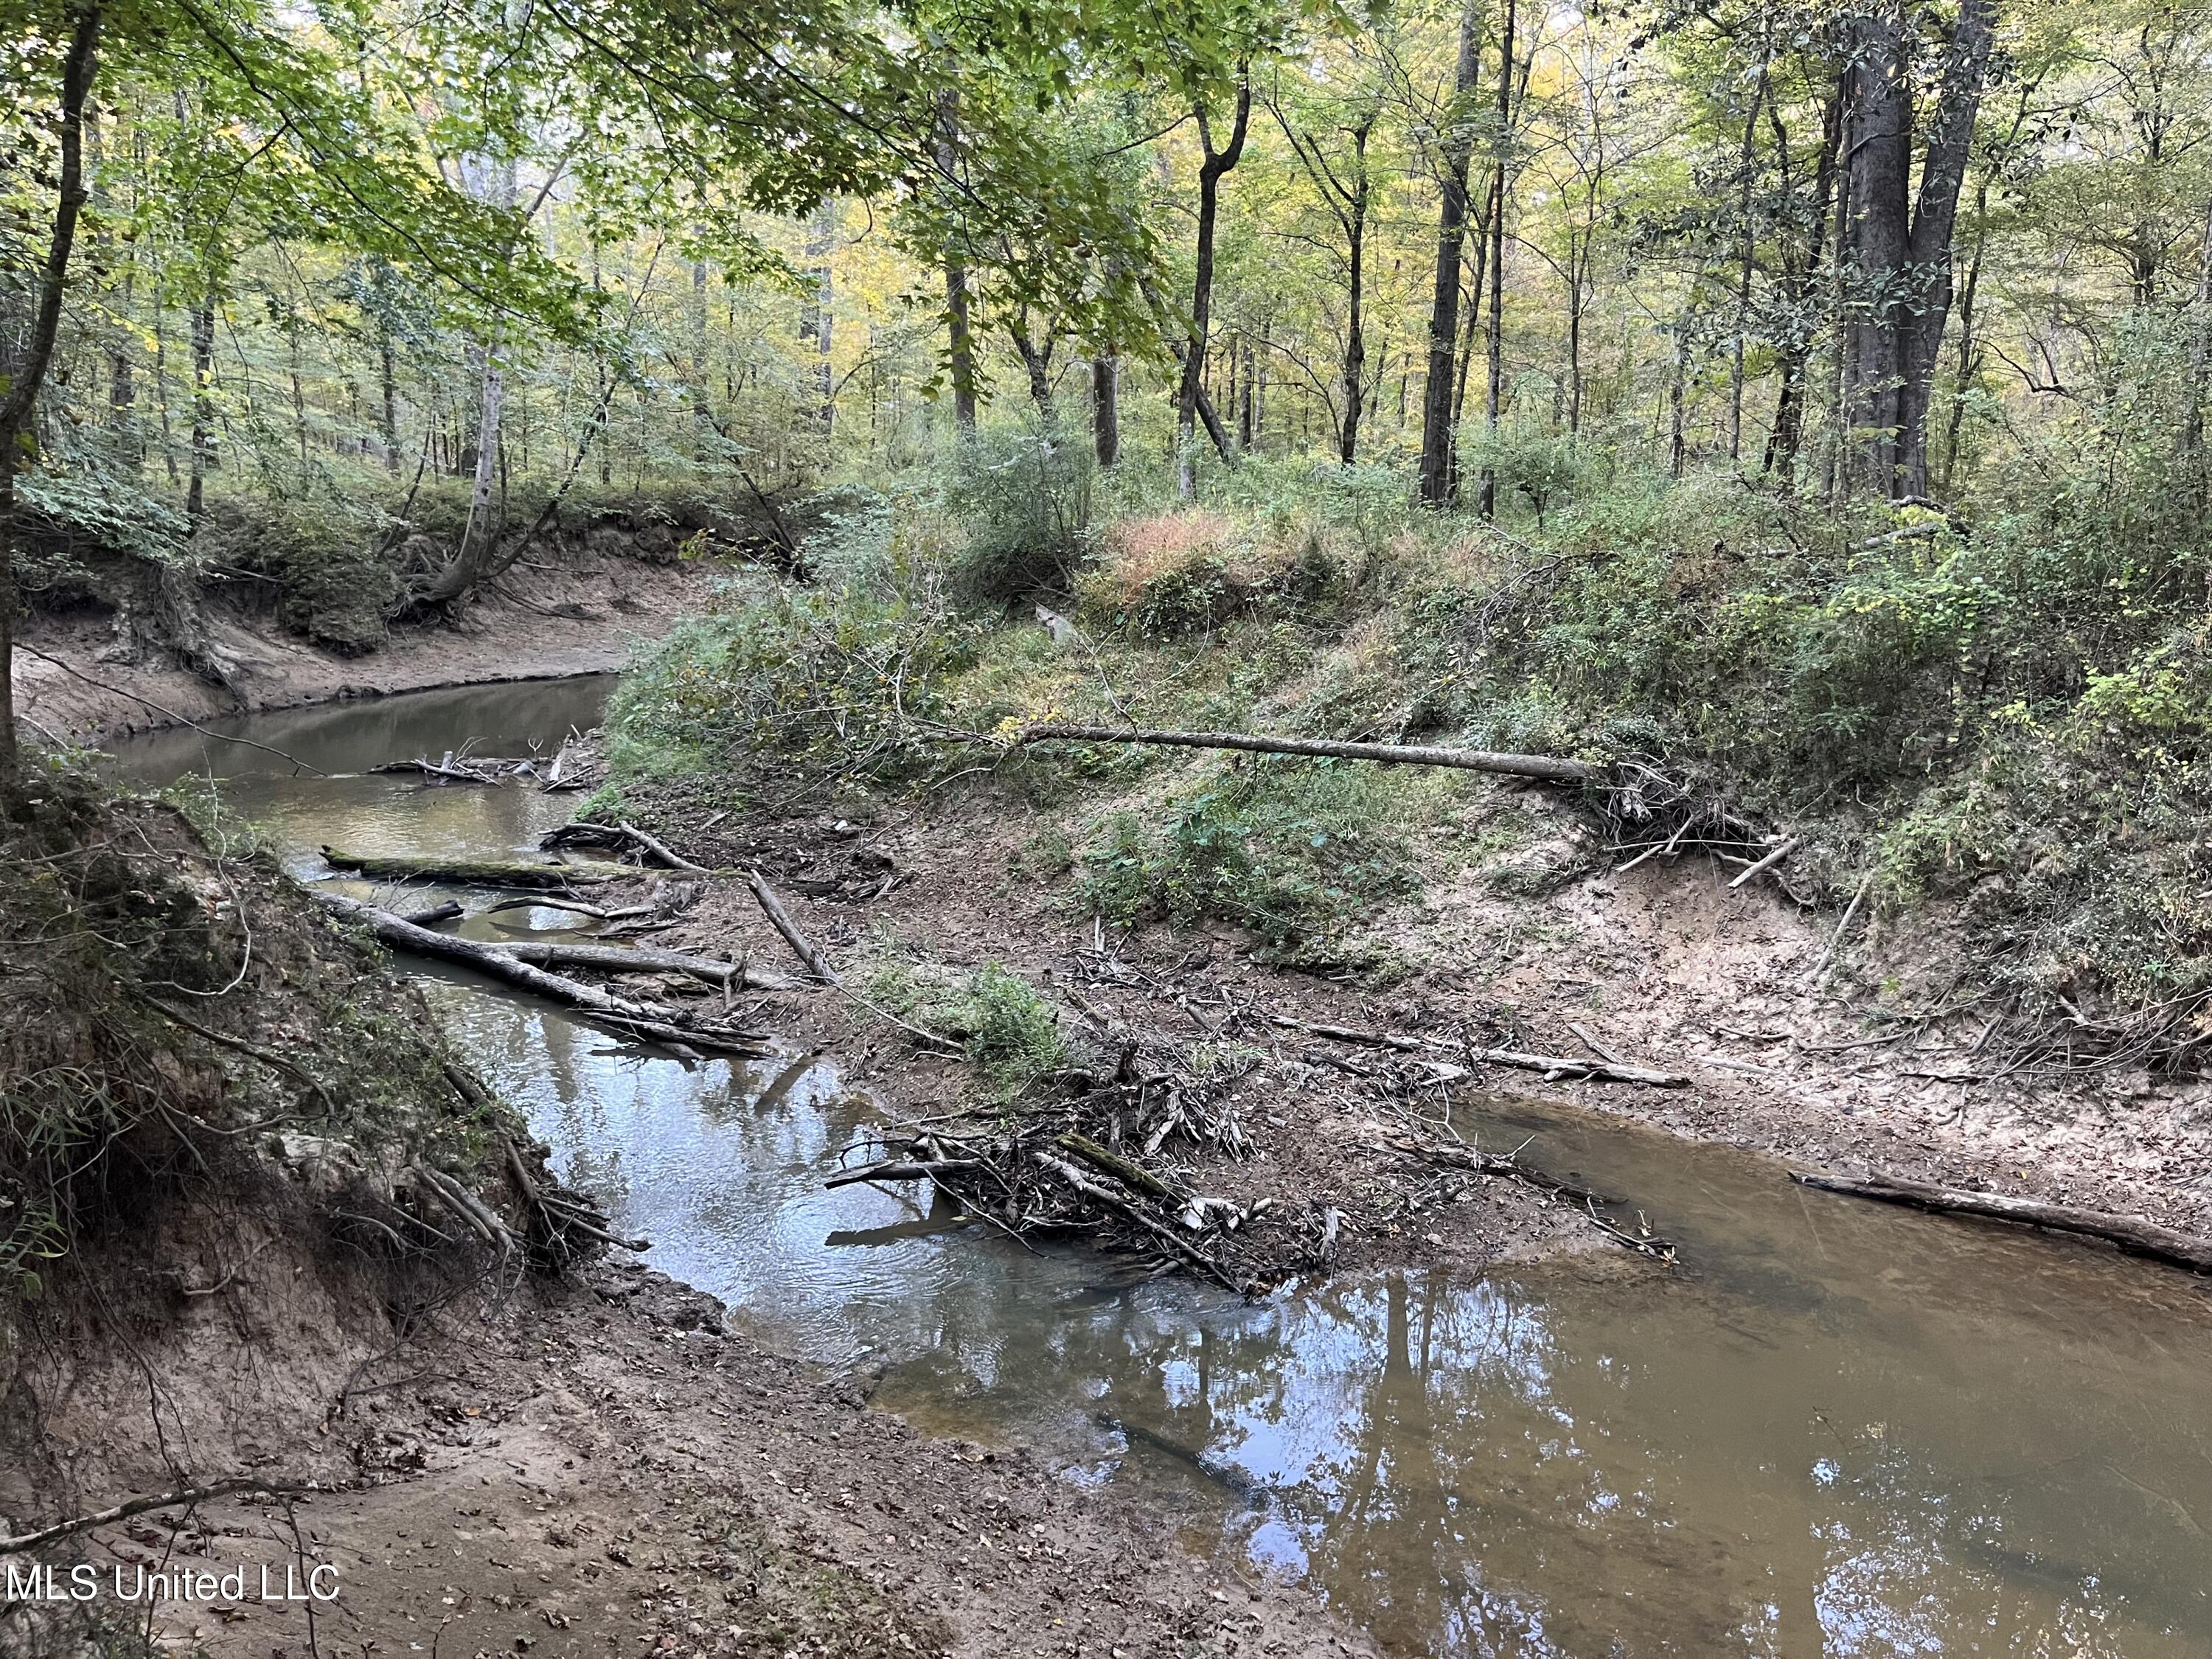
{"points": [[1838, 1429]]}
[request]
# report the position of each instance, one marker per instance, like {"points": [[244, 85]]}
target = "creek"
{"points": [[1834, 1429]]}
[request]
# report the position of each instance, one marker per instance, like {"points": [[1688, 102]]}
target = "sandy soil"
{"points": [[1666, 966], [579, 614], [600, 1469]]}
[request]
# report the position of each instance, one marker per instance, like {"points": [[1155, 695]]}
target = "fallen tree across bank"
{"points": [[2135, 1234], [1549, 768]]}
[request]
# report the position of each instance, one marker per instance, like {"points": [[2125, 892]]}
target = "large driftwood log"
{"points": [[1548, 768], [648, 1020], [2135, 1234], [468, 873]]}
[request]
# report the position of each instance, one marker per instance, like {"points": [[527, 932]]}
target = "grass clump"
{"points": [[1299, 852], [1005, 1026]]}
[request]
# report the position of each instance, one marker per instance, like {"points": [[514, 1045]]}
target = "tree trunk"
{"points": [[1036, 360], [1486, 491], [1355, 337], [1899, 249], [20, 402], [203, 458], [818, 317], [387, 383], [1746, 257], [2200, 359], [960, 339], [1106, 409], [1215, 164], [1247, 411], [1439, 417], [1969, 346], [1800, 282]]}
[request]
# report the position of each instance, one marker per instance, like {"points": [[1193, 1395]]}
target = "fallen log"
{"points": [[780, 918], [168, 1500], [1545, 766], [574, 906], [1596, 1068], [904, 1169], [1781, 851], [644, 959], [618, 838], [449, 911], [1555, 1066], [1165, 1235], [468, 873], [1134, 1176], [2136, 1234], [649, 1021]]}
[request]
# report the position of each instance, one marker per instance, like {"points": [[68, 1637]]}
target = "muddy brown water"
{"points": [[1835, 1429]]}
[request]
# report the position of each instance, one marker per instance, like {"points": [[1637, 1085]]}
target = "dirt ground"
{"points": [[1666, 966], [601, 1469], [578, 616]]}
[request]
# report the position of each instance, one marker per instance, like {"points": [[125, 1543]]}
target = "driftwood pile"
{"points": [[528, 966], [557, 774]]}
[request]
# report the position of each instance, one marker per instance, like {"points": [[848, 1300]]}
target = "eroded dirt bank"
{"points": [[252, 1275], [571, 613]]}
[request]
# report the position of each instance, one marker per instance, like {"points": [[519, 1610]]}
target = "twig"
{"points": [[1821, 967], [1780, 852], [167, 1500]]}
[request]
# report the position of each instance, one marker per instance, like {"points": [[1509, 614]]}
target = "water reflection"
{"points": [[1838, 1429]]}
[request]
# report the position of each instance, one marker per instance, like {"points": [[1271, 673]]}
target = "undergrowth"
{"points": [[2006, 704]]}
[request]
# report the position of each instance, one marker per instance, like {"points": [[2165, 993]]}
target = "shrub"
{"points": [[1166, 575], [1022, 497], [842, 676]]}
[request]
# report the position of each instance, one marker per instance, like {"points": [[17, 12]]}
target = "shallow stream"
{"points": [[1836, 1429]]}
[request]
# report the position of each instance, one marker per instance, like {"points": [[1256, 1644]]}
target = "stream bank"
{"points": [[1827, 1427], [571, 612]]}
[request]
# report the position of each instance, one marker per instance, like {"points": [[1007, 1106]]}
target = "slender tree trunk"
{"points": [[2200, 362], [1747, 256], [1355, 336], [1486, 490], [1969, 358], [202, 456], [1106, 409], [122, 383], [1215, 163], [818, 317], [1439, 474], [1800, 283], [1248, 410], [960, 339], [387, 383], [19, 402]]}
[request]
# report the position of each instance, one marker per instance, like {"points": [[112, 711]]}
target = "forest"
{"points": [[1206, 579]]}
